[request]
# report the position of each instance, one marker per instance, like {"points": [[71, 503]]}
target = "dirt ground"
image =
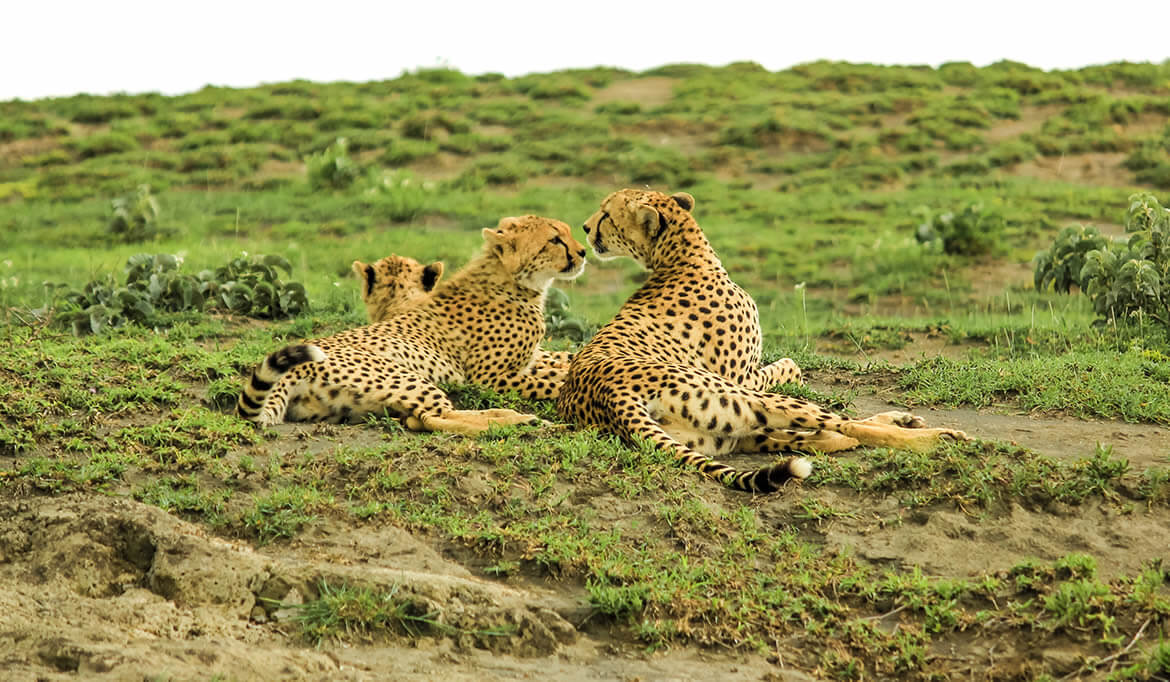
{"points": [[100, 587], [104, 588]]}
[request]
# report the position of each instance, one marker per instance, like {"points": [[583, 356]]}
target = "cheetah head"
{"points": [[393, 281], [630, 221], [536, 250]]}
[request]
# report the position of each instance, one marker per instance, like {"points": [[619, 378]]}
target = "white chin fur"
{"points": [[800, 467], [608, 255], [572, 275]]}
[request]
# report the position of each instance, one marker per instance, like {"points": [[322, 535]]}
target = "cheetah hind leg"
{"points": [[467, 422]]}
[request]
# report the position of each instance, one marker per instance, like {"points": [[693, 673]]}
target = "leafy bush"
{"points": [[1123, 280], [560, 323], [135, 216], [252, 287], [332, 168], [154, 285], [1060, 266], [973, 230]]}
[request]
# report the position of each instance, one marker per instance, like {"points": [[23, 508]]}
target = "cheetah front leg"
{"points": [[467, 422]]}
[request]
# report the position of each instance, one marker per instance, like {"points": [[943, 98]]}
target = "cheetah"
{"points": [[482, 325], [679, 365], [393, 283]]}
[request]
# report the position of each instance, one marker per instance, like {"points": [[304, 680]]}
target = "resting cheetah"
{"points": [[391, 284], [679, 364], [481, 325], [395, 283]]}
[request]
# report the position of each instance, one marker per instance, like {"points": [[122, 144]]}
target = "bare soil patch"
{"points": [[1060, 436], [650, 92], [1096, 168]]}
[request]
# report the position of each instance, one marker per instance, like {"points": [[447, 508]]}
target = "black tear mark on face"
{"points": [[598, 246]]}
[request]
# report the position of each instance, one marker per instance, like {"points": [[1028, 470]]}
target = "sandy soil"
{"points": [[104, 588]]}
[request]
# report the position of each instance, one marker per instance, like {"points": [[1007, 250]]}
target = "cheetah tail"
{"points": [[765, 480], [267, 373]]}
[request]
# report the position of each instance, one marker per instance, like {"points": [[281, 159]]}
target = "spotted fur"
{"points": [[482, 325], [394, 283], [679, 365]]}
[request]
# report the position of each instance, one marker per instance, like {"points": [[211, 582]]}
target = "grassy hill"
{"points": [[884, 218]]}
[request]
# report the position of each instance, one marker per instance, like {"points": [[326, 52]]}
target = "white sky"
{"points": [[51, 48]]}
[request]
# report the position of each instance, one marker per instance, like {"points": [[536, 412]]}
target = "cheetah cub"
{"points": [[394, 283]]}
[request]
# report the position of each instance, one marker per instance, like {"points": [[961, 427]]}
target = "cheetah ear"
{"points": [[366, 272], [646, 216], [494, 236], [501, 244], [507, 222], [686, 201], [431, 275]]}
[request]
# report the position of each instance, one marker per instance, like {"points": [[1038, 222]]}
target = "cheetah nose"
{"points": [[581, 252], [586, 228]]}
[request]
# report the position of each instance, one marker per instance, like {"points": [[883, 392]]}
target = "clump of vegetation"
{"points": [[332, 168], [401, 195], [973, 230], [155, 285], [251, 286], [1124, 280], [1059, 266], [562, 324], [135, 216]]}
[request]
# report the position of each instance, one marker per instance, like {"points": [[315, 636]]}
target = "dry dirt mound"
{"points": [[112, 589]]}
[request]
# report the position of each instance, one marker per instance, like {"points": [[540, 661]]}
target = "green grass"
{"points": [[810, 183]]}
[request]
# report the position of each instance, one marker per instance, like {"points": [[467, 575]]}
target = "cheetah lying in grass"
{"points": [[679, 365], [482, 325], [395, 283]]}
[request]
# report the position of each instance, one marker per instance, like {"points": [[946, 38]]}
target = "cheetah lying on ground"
{"points": [[482, 325], [394, 283], [680, 363]]}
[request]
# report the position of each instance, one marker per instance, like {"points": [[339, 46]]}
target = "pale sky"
{"points": [[51, 48]]}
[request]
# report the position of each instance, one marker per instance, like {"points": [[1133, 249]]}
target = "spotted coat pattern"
{"points": [[395, 283], [679, 365], [482, 325]]}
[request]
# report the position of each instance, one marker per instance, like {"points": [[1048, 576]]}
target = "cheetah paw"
{"points": [[897, 418]]}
